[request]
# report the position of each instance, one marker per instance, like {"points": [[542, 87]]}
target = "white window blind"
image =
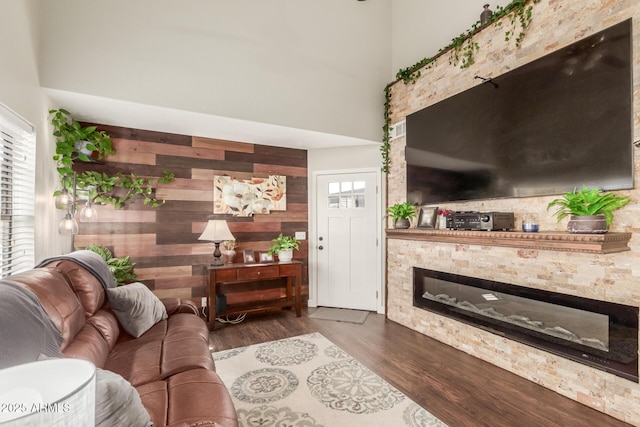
{"points": [[17, 193]]}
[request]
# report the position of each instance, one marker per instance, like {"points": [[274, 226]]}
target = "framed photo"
{"points": [[249, 258], [266, 257], [428, 216]]}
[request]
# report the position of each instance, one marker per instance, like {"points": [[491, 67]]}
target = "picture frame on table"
{"points": [[266, 257], [249, 257], [428, 217]]}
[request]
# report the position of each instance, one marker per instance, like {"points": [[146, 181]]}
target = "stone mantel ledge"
{"points": [[551, 240]]}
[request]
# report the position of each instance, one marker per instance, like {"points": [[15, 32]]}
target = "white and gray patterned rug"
{"points": [[307, 381]]}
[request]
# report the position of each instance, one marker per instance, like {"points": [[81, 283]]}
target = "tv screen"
{"points": [[552, 125]]}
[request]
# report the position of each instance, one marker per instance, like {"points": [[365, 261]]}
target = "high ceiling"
{"points": [[301, 73]]}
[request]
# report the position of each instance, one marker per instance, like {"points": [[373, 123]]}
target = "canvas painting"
{"points": [[249, 197]]}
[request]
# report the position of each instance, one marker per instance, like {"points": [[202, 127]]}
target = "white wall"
{"points": [[20, 91], [304, 64], [421, 28]]}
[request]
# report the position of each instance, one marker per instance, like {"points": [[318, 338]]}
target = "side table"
{"points": [[229, 274]]}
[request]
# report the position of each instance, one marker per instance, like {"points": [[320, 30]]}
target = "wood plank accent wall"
{"points": [[163, 241]]}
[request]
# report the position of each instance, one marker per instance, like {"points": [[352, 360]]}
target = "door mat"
{"points": [[339, 315]]}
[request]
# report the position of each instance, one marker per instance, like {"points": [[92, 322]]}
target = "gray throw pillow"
{"points": [[118, 403], [136, 307]]}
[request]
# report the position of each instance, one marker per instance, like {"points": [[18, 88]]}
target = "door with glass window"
{"points": [[347, 241]]}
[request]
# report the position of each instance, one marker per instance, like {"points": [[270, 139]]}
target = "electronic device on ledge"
{"points": [[484, 221]]}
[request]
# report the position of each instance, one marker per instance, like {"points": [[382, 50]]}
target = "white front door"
{"points": [[347, 241]]}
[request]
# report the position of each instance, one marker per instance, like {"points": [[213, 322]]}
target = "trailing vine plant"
{"points": [[462, 52], [386, 146], [101, 188]]}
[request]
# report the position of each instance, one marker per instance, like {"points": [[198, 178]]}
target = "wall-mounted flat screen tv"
{"points": [[558, 123]]}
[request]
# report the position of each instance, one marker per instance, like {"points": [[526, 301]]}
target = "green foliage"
{"points": [[69, 133], [402, 211], [281, 243], [102, 188], [119, 188], [463, 50], [386, 146], [122, 267], [588, 202]]}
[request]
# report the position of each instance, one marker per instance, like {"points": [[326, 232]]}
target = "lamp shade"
{"points": [[55, 392], [216, 231]]}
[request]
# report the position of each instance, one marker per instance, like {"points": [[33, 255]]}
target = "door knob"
{"points": [[320, 247]]}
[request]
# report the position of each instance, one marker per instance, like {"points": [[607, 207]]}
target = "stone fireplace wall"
{"points": [[612, 277]]}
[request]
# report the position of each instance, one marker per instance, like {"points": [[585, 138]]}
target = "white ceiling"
{"points": [[94, 109], [300, 74]]}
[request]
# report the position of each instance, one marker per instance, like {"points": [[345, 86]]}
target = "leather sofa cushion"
{"points": [[57, 299], [195, 396], [174, 345], [89, 345], [186, 344], [106, 323], [88, 289]]}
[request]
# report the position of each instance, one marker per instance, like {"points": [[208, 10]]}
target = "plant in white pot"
{"points": [[283, 247], [77, 142], [589, 210]]}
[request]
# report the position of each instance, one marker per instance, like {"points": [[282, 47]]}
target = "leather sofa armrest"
{"points": [[177, 305]]}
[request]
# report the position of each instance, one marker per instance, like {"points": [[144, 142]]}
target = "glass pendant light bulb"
{"points": [[63, 200], [88, 213], [68, 225]]}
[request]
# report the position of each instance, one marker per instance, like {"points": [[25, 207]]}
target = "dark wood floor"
{"points": [[457, 388]]}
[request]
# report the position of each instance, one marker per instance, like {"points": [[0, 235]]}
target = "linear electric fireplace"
{"points": [[600, 334]]}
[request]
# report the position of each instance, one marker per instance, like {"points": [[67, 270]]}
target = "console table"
{"points": [[230, 274]]}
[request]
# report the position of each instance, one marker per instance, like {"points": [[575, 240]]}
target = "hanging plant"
{"points": [[117, 189], [462, 51], [71, 138]]}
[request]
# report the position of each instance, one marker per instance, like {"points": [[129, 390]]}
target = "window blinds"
{"points": [[17, 193]]}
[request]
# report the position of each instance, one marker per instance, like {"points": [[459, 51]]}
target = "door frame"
{"points": [[313, 238]]}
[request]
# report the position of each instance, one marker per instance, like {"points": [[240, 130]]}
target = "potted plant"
{"points": [[283, 246], [402, 214], [122, 267], [71, 141], [77, 142], [590, 211]]}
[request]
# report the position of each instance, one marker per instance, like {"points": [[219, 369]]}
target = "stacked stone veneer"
{"points": [[614, 277]]}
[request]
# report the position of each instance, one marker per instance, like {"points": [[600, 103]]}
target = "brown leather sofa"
{"points": [[170, 365]]}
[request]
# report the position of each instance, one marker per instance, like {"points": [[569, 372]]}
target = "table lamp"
{"points": [[55, 392], [216, 231]]}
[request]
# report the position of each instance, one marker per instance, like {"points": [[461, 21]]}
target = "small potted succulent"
{"points": [[589, 210], [402, 214], [283, 247]]}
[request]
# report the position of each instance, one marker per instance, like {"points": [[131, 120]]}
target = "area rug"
{"points": [[339, 314], [307, 381]]}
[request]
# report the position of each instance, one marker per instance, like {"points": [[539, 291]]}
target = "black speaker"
{"points": [[221, 303]]}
